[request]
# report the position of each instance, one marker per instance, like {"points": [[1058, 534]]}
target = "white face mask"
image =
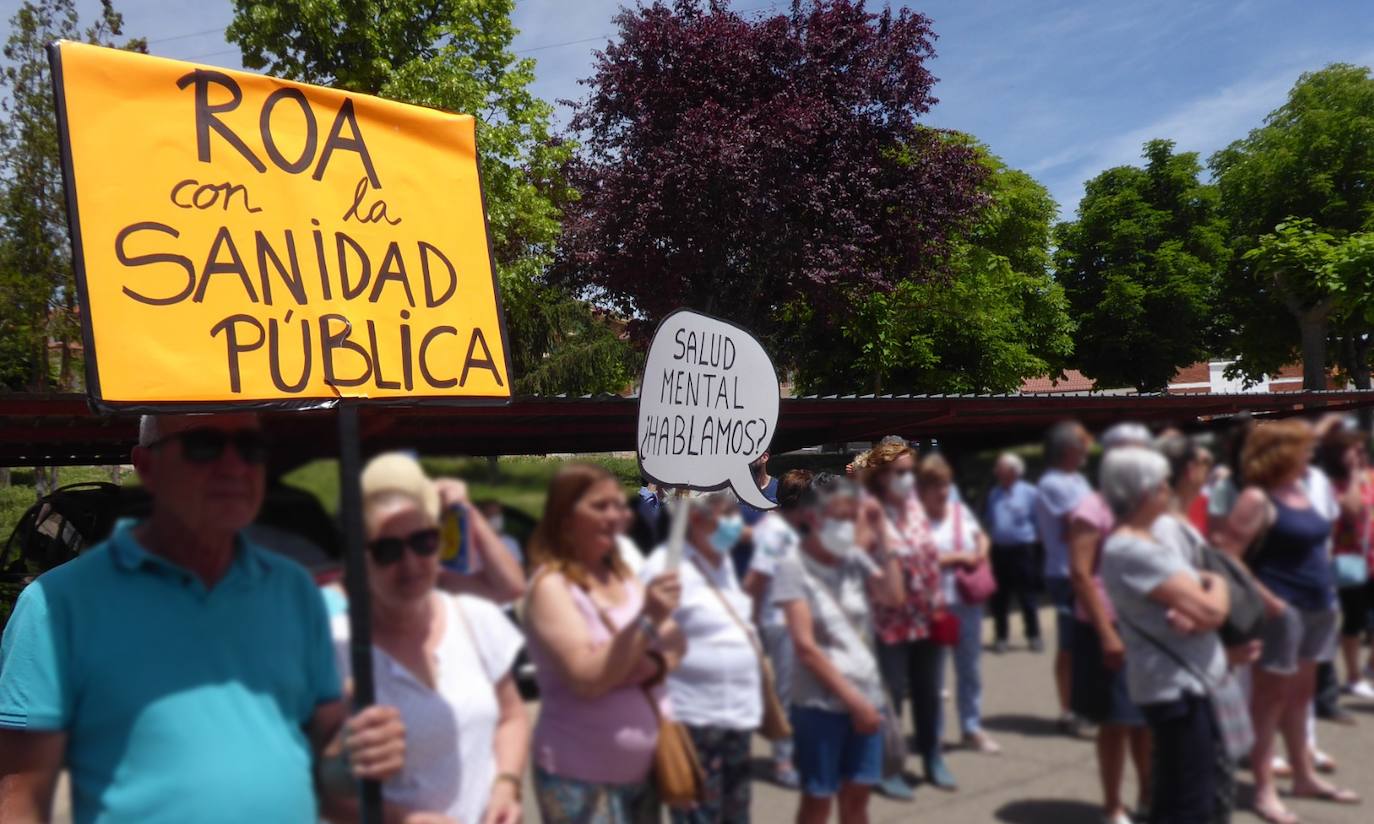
{"points": [[836, 536], [902, 484]]}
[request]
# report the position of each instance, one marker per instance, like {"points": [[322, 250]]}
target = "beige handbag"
{"points": [[677, 771], [775, 726]]}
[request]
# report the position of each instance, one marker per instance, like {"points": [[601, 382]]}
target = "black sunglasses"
{"points": [[387, 551], [203, 446]]}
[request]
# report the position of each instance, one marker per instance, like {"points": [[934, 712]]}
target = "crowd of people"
{"points": [[180, 672]]}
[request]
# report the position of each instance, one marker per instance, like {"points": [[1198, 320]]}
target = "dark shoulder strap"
{"points": [[1169, 651]]}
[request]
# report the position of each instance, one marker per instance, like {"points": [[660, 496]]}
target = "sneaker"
{"points": [[980, 742], [1322, 762], [1036, 645], [896, 788], [1119, 818], [786, 776], [1069, 724], [1281, 767], [1360, 689], [939, 775]]}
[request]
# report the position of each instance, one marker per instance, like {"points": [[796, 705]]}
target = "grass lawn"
{"points": [[519, 482]]}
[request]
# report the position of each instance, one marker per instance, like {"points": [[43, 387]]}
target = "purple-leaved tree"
{"points": [[746, 166]]}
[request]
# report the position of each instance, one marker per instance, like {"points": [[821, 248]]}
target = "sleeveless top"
{"points": [[1292, 559], [619, 729]]}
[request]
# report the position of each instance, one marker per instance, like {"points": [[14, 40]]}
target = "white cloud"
{"points": [[1203, 124]]}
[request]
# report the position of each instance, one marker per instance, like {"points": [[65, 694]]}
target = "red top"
{"points": [[1197, 513], [1351, 536]]}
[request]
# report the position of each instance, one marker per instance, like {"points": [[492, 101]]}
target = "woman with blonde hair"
{"points": [[602, 645], [911, 662], [1289, 559], [443, 660]]}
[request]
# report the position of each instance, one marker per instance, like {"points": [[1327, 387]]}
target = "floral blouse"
{"points": [[910, 538]]}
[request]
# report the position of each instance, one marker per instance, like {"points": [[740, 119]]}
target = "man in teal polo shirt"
{"points": [[181, 673]]}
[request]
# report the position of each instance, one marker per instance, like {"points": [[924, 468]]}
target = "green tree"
{"points": [[1312, 160], [1327, 282], [1140, 267], [992, 318], [455, 55], [36, 275]]}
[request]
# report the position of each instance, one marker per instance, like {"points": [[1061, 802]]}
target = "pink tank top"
{"points": [[1093, 511], [606, 740]]}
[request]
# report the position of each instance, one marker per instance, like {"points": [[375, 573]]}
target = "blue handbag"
{"points": [[1351, 571]]}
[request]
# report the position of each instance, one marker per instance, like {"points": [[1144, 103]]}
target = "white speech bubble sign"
{"points": [[708, 406]]}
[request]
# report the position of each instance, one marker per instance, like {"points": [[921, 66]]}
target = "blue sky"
{"points": [[1062, 89]]}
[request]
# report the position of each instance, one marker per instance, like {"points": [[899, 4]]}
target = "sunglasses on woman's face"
{"points": [[387, 551], [205, 446]]}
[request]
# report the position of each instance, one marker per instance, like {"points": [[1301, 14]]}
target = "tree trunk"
{"points": [[1359, 361], [1313, 327], [44, 480], [64, 375], [40, 365]]}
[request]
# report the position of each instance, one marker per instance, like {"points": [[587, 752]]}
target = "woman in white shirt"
{"points": [[961, 543], [443, 660], [715, 691]]}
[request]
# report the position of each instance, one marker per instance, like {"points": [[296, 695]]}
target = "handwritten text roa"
{"points": [[244, 239]]}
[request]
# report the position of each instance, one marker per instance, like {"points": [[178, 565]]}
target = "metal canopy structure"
{"points": [[61, 430]]}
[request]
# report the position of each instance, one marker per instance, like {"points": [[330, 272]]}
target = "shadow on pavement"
{"points": [[1049, 811], [1035, 726]]}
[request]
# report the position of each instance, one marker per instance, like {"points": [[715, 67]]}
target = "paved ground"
{"points": [[1043, 777]]}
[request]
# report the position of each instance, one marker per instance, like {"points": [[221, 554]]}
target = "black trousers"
{"points": [[1185, 781], [1328, 695], [1016, 568], [915, 670]]}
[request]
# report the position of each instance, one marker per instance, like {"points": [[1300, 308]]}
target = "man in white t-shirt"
{"points": [[776, 539]]}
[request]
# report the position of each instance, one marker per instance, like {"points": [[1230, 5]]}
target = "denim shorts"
{"points": [[1060, 592], [1097, 693], [828, 752]]}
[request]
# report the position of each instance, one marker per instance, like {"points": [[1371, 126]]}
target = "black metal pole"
{"points": [[355, 581]]}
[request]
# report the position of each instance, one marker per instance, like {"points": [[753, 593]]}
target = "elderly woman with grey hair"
{"points": [[1010, 516], [1099, 691], [1168, 612]]}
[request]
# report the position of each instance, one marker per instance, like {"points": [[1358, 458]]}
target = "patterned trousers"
{"points": [[724, 755]]}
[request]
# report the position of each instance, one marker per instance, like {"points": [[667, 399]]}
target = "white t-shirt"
{"points": [[717, 683], [942, 533], [450, 732], [629, 552], [774, 541]]}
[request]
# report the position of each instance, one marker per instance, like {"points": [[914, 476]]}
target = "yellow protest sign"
{"points": [[244, 240]]}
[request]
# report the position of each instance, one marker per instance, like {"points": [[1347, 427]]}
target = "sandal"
{"points": [[1335, 795], [1281, 815]]}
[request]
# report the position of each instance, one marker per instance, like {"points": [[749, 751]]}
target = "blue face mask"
{"points": [[728, 530]]}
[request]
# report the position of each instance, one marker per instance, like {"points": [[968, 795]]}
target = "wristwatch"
{"points": [[648, 627]]}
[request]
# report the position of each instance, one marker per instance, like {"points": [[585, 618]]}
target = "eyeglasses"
{"points": [[205, 446], [387, 551]]}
